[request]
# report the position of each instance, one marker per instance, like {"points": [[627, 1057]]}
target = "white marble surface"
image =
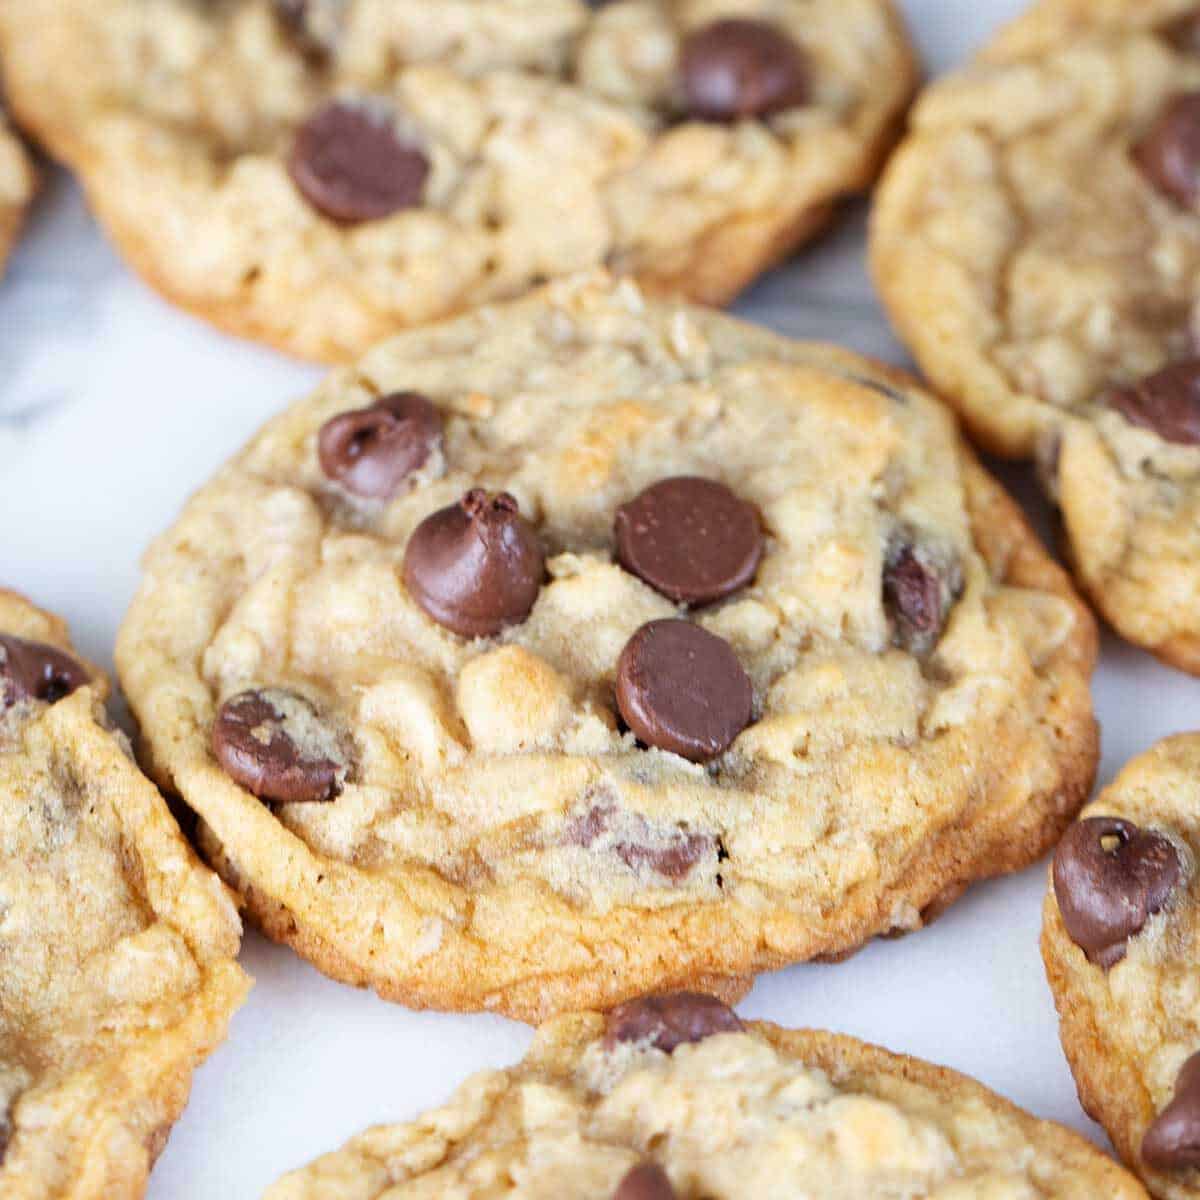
{"points": [[113, 408]]}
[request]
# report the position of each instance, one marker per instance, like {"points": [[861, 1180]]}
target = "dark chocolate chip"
{"points": [[275, 745], [689, 538], [920, 587], [645, 1182], [1109, 878], [372, 451], [739, 68], [1167, 402], [1184, 33], [477, 566], [351, 165], [1169, 154], [35, 671], [669, 1021], [682, 689], [673, 858], [1172, 1143]]}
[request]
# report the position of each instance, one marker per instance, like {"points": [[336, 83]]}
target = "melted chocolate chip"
{"points": [[1109, 878], [350, 164], [1169, 154], [740, 68], [689, 538], [666, 1022], [477, 566], [35, 671], [372, 451], [1172, 1142], [1167, 402], [645, 1182], [920, 587], [274, 744], [673, 856], [682, 689]]}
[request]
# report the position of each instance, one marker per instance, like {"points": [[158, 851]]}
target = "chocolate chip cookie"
{"points": [[1119, 940], [674, 1098], [589, 646], [17, 181], [118, 946], [1037, 243], [320, 173]]}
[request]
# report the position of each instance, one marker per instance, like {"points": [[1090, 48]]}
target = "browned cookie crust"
{"points": [[526, 139], [468, 823], [17, 182]]}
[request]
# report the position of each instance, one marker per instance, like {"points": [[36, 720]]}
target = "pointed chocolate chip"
{"points": [[1172, 1143], [1109, 878], [477, 566], [921, 585], [1167, 402], [645, 1182], [740, 68], [689, 538], [350, 164], [682, 689], [668, 1021], [274, 744], [35, 671], [1169, 154], [371, 451], [672, 854]]}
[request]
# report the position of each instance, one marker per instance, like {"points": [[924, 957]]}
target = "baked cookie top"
{"points": [[588, 645], [1037, 244], [118, 945], [1119, 940], [17, 182], [328, 171], [675, 1098]]}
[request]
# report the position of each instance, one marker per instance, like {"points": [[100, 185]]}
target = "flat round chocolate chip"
{"points": [[274, 744], [371, 451], [740, 68], [666, 1022], [35, 671], [1110, 876], [1172, 1142], [682, 689], [920, 587], [689, 538], [645, 1182], [477, 566], [1169, 154], [1167, 402], [350, 164]]}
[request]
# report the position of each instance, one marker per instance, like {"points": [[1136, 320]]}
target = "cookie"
{"points": [[320, 173], [590, 646], [1037, 244], [673, 1097], [119, 947], [17, 182], [1119, 941]]}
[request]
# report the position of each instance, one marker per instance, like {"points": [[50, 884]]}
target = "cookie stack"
{"points": [[581, 656]]}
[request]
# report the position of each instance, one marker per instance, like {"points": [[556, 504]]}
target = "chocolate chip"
{"points": [[476, 566], [1109, 878], [1167, 402], [372, 451], [1169, 153], [920, 588], [351, 165], [666, 1022], [682, 689], [35, 671], [739, 68], [276, 746], [689, 538], [1172, 1143], [1184, 33], [315, 25], [674, 855], [645, 1182]]}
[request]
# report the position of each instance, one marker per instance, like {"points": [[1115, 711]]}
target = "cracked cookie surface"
{"points": [[1039, 258], [118, 946], [893, 686], [1130, 1028], [527, 139], [756, 1111], [17, 182]]}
